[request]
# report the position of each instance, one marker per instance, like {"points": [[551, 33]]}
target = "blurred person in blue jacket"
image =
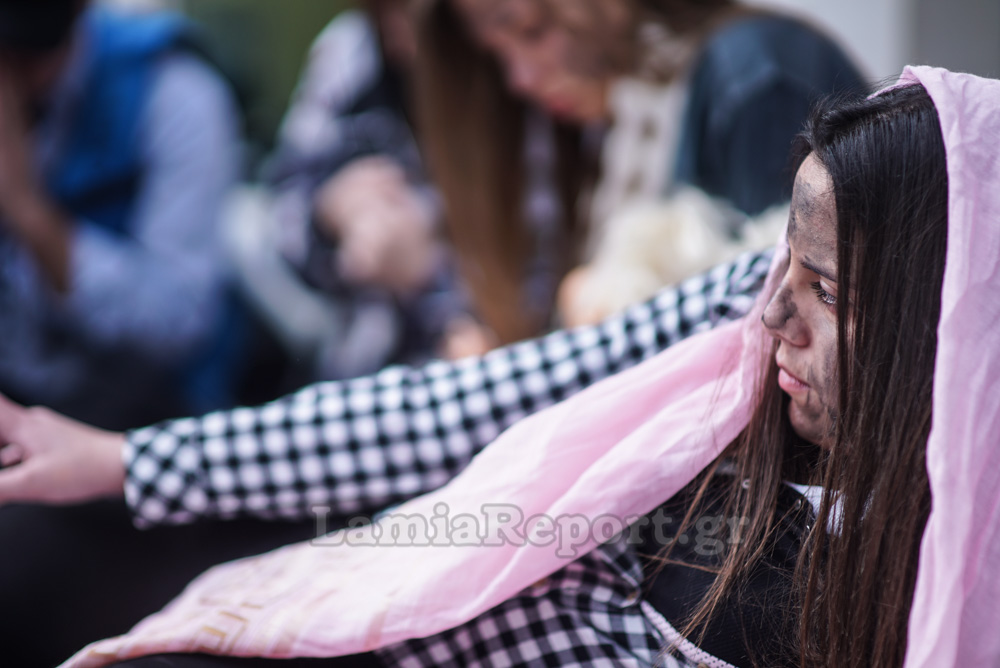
{"points": [[117, 148]]}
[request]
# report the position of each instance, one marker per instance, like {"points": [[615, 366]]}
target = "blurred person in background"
{"points": [[638, 95], [355, 212], [568, 140], [118, 145], [857, 536]]}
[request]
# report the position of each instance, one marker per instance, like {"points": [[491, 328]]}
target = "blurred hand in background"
{"points": [[384, 226]]}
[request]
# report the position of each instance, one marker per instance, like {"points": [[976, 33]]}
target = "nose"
{"points": [[523, 75], [781, 318]]}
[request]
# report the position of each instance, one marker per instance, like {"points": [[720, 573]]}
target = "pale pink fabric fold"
{"points": [[619, 448], [627, 444], [955, 619]]}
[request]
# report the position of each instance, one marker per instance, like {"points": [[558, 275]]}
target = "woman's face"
{"points": [[540, 55], [802, 314]]}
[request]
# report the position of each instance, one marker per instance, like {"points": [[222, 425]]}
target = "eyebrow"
{"points": [[809, 265]]}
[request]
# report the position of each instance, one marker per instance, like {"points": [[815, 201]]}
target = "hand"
{"points": [[389, 246], [385, 228], [573, 301], [353, 189], [466, 337], [49, 458]]}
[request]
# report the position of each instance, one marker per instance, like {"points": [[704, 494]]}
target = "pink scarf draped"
{"points": [[619, 449]]}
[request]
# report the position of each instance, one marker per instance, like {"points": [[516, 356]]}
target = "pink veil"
{"points": [[623, 446]]}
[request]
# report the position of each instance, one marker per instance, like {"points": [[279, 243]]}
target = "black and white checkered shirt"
{"points": [[589, 613], [357, 446]]}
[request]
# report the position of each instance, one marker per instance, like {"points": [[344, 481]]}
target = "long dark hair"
{"points": [[857, 568]]}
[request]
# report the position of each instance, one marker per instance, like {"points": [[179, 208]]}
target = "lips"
{"points": [[790, 383]]}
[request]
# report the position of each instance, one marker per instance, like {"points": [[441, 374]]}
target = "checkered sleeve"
{"points": [[589, 613], [357, 446]]}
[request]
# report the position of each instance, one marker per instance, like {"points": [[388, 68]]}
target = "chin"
{"points": [[567, 114], [809, 428]]}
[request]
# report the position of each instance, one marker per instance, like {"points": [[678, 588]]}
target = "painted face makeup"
{"points": [[802, 314]]}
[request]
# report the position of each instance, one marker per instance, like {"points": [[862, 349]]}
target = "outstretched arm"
{"points": [[352, 446], [356, 446]]}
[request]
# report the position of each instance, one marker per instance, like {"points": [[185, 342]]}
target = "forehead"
{"points": [[812, 223], [490, 18], [493, 10], [575, 15]]}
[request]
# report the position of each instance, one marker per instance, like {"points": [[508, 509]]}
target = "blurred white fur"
{"points": [[652, 244]]}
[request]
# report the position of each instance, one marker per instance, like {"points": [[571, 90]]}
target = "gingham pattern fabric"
{"points": [[589, 613], [357, 446]]}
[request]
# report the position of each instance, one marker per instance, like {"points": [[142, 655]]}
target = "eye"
{"points": [[823, 295], [530, 29], [522, 21], [533, 33]]}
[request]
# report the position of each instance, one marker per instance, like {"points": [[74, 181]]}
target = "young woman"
{"points": [[804, 533], [667, 91]]}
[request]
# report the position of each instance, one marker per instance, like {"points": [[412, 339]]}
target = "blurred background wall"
{"points": [[884, 35], [262, 46], [263, 43]]}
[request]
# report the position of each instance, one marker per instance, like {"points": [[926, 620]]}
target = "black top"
{"points": [[753, 626]]}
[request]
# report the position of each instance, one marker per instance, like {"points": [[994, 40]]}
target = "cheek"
{"points": [[551, 55], [825, 337], [496, 41]]}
